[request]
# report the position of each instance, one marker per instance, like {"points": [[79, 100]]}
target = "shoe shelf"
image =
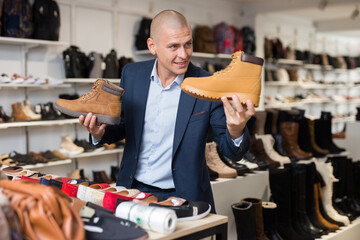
{"points": [[48, 164], [195, 54], [41, 86], [38, 123], [351, 231], [344, 119], [97, 153], [310, 85], [90, 80], [30, 42], [284, 105], [273, 63]]}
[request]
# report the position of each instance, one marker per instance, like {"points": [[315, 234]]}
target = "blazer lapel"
{"points": [[186, 106], [140, 99]]}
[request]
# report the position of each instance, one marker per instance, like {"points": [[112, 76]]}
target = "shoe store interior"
{"points": [[292, 173]]}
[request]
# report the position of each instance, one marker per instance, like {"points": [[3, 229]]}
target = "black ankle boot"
{"points": [[244, 220], [270, 220], [114, 173]]}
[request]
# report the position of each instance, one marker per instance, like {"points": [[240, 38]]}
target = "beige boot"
{"points": [[68, 147], [242, 77], [18, 112], [214, 162], [29, 111], [103, 101], [269, 142]]}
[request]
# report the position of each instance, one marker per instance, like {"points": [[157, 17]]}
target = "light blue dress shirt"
{"points": [[155, 157]]}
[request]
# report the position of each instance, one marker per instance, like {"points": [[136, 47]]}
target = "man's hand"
{"points": [[93, 127], [237, 116]]}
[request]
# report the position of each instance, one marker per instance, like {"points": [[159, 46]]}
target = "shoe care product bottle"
{"points": [[156, 219]]}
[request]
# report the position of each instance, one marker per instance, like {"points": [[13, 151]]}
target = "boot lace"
{"points": [[228, 67], [94, 90]]}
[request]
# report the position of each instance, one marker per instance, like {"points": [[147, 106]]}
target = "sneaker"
{"points": [[68, 147]]}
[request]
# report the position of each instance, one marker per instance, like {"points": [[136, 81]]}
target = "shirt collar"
{"points": [[155, 77]]}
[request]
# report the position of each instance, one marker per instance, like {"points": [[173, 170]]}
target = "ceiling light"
{"points": [[355, 13], [322, 4]]}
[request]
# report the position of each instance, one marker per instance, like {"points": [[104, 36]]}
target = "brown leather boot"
{"points": [[242, 77], [103, 101], [257, 147], [18, 112], [260, 117], [289, 131], [323, 221], [312, 138], [258, 217]]}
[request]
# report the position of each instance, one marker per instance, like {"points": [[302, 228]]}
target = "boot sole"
{"points": [[99, 117], [216, 96]]}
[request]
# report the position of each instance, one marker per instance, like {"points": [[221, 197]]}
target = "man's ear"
{"points": [[151, 45]]}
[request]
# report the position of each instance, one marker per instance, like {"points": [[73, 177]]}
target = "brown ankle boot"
{"points": [[258, 218], [290, 131], [257, 147], [18, 112], [103, 101], [312, 138], [242, 77]]}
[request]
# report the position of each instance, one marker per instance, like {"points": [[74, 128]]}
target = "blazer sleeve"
{"points": [[222, 136]]}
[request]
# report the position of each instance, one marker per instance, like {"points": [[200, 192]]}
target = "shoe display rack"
{"points": [[25, 46], [253, 185], [325, 92]]}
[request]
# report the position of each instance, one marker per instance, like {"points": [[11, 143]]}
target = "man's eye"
{"points": [[172, 46], [188, 44]]}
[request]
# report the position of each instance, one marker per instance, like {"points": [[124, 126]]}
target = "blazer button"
{"points": [[131, 176]]}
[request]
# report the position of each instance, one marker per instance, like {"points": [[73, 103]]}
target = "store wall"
{"points": [[301, 34], [91, 25]]}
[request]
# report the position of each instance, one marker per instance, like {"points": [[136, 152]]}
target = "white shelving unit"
{"points": [[26, 45], [194, 55], [42, 165], [30, 42], [38, 123], [100, 153], [89, 80]]}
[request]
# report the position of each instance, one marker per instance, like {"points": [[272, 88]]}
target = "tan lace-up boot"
{"points": [[19, 113], [242, 77], [214, 162], [103, 101]]}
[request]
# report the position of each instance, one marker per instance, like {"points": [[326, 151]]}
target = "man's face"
{"points": [[173, 48]]}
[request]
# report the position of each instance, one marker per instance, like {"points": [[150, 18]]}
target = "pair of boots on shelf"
{"points": [[346, 197], [298, 137], [23, 111], [102, 177], [255, 220], [220, 166], [307, 206], [262, 145]]}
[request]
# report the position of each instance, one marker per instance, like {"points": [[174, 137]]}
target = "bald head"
{"points": [[167, 19]]}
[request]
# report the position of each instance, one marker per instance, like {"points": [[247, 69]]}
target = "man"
{"points": [[165, 128]]}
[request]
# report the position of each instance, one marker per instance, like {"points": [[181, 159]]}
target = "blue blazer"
{"points": [[194, 118]]}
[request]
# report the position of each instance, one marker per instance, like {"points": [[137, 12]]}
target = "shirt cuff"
{"points": [[96, 141], [237, 142]]}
